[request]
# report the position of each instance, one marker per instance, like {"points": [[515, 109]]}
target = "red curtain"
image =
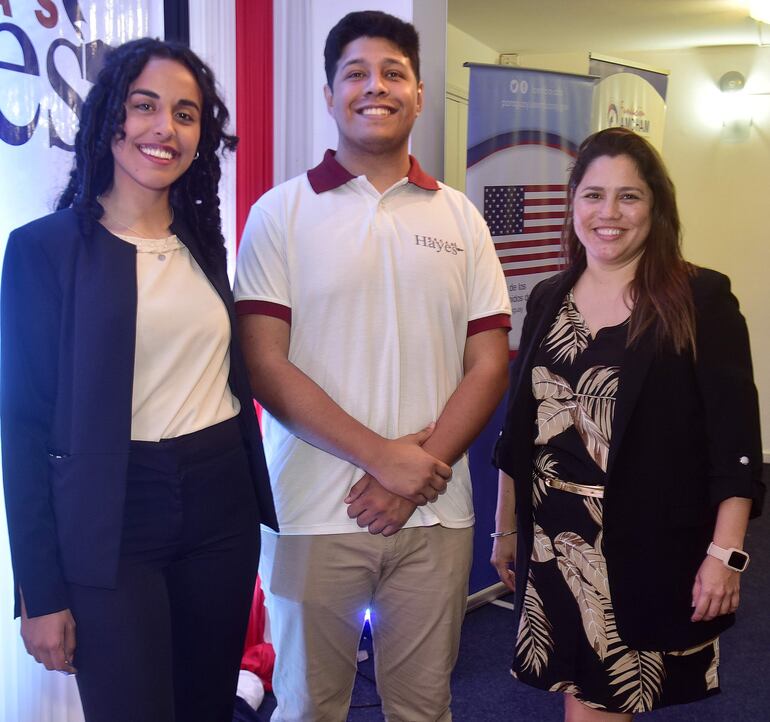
{"points": [[254, 114], [254, 103]]}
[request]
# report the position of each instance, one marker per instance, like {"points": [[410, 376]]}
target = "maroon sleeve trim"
{"points": [[263, 308], [500, 320]]}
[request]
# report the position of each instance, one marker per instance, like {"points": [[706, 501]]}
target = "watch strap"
{"points": [[732, 558]]}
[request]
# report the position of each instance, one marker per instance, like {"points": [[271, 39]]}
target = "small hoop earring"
{"points": [[197, 155]]}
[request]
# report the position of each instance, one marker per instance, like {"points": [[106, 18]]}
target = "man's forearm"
{"points": [[304, 408], [300, 404], [475, 399]]}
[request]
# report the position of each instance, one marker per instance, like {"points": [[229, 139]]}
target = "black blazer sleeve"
{"points": [[531, 318], [29, 336], [724, 375]]}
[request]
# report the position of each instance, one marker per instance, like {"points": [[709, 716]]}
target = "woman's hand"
{"points": [[716, 590], [50, 639], [504, 547], [503, 557]]}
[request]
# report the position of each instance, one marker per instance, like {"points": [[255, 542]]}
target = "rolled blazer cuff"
{"points": [[495, 458], [724, 375], [743, 484], [502, 454]]}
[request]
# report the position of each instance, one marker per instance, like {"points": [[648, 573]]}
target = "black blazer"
{"points": [[683, 431], [68, 336]]}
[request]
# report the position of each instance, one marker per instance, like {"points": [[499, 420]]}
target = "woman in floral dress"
{"points": [[632, 434]]}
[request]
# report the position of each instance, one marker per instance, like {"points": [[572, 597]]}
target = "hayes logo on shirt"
{"points": [[438, 245]]}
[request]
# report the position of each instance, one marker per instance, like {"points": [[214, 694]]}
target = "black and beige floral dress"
{"points": [[567, 639]]}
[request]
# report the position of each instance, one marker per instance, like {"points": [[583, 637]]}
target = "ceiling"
{"points": [[604, 26]]}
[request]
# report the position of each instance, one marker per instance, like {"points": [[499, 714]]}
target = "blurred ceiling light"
{"points": [[760, 10]]}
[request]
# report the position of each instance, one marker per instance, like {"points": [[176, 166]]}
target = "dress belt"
{"points": [[572, 487]]}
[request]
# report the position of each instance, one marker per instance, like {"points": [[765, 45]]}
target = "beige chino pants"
{"points": [[317, 589]]}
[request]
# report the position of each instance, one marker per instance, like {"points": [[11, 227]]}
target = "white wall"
{"points": [[429, 17], [560, 62], [723, 188], [461, 48]]}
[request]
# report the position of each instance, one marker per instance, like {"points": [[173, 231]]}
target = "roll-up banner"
{"points": [[629, 95], [524, 127]]}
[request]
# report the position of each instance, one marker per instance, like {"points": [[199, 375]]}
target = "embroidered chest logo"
{"points": [[438, 245]]}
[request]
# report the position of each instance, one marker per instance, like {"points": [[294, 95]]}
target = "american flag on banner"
{"points": [[525, 222]]}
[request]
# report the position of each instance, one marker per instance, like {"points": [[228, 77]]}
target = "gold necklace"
{"points": [[111, 214]]}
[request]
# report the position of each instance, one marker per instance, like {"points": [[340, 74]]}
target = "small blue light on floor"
{"points": [[366, 630]]}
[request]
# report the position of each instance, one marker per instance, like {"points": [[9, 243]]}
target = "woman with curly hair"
{"points": [[630, 457], [134, 475]]}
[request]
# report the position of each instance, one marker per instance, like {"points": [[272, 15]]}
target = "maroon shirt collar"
{"points": [[329, 174]]}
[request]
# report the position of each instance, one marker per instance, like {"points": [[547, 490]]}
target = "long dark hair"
{"points": [[660, 291], [193, 195]]}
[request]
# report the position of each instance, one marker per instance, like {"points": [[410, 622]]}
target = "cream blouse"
{"points": [[182, 357]]}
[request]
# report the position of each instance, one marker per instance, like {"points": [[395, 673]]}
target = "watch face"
{"points": [[738, 561]]}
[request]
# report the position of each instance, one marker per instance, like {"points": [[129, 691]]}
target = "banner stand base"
{"points": [[486, 595]]}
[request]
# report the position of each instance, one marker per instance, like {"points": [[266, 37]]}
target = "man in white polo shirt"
{"points": [[374, 315]]}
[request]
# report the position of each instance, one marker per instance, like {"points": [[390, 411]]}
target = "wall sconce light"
{"points": [[736, 107], [732, 81]]}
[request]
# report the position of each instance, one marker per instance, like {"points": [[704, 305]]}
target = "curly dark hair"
{"points": [[370, 24], [660, 290], [194, 195]]}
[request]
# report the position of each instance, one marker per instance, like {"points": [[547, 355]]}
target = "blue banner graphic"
{"points": [[524, 127]]}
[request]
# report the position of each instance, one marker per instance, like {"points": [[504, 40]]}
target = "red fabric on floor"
{"points": [[258, 655]]}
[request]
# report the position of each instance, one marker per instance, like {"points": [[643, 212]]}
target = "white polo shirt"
{"points": [[381, 292]]}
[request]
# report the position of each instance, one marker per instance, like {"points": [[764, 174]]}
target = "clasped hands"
{"points": [[407, 476]]}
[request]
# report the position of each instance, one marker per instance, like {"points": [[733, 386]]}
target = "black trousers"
{"points": [[165, 645]]}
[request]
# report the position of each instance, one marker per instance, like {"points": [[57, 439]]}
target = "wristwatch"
{"points": [[732, 558]]}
